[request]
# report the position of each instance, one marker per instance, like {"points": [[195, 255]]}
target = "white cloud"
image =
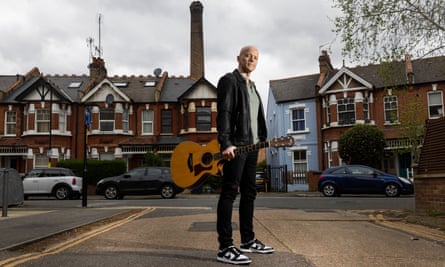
{"points": [[141, 35]]}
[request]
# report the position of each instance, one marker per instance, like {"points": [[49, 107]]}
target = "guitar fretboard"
{"points": [[244, 149]]}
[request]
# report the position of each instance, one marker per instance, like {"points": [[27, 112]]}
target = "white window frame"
{"points": [[300, 162], [147, 122], [125, 119], [105, 123], [302, 109], [346, 102], [431, 105], [10, 123], [42, 121], [391, 99], [62, 120]]}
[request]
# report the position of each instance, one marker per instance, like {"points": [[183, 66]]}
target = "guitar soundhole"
{"points": [[207, 158]]}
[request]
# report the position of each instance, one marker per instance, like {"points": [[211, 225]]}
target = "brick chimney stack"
{"points": [[98, 72], [196, 41], [409, 69], [324, 62]]}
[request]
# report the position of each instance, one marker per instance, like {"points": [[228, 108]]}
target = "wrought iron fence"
{"points": [[281, 179]]}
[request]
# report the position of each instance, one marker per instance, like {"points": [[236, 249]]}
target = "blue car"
{"points": [[359, 179]]}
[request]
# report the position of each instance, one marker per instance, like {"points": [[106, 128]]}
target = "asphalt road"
{"points": [[181, 232]]}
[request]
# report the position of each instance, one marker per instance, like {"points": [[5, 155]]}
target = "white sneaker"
{"points": [[232, 255], [256, 246]]}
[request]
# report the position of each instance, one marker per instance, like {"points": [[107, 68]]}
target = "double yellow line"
{"points": [[14, 261]]}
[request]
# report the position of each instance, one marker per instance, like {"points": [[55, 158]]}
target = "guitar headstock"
{"points": [[283, 141]]}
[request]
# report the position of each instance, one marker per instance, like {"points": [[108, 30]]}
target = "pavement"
{"points": [[25, 225]]}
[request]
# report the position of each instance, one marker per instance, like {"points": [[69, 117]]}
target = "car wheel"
{"points": [[62, 192], [110, 192], [392, 190], [167, 191], [329, 190]]}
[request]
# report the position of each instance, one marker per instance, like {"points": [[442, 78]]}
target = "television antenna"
{"points": [[98, 48]]}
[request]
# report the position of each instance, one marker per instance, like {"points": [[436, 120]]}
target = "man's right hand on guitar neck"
{"points": [[229, 153]]}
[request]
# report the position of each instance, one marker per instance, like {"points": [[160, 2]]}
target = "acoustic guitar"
{"points": [[191, 163]]}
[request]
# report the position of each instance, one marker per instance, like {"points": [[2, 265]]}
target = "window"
{"points": [[42, 120], [435, 105], [106, 120], [328, 114], [125, 117], [346, 111], [185, 118], [62, 120], [137, 172], [11, 120], [41, 160], [366, 109], [166, 121], [120, 84], [106, 156], [203, 118], [297, 120], [147, 122], [74, 84], [300, 161], [391, 110], [150, 84]]}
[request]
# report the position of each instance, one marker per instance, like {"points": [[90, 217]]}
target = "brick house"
{"points": [[42, 117], [396, 97]]}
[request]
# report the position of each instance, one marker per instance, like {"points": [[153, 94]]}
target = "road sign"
{"points": [[87, 116]]}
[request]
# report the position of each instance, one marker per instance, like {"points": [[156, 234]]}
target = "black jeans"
{"points": [[239, 172]]}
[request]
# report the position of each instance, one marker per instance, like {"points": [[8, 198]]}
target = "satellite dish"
{"points": [[157, 72]]}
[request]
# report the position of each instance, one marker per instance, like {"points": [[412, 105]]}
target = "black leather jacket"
{"points": [[233, 119]]}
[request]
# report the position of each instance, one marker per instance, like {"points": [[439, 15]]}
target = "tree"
{"points": [[153, 159], [362, 144], [386, 30]]}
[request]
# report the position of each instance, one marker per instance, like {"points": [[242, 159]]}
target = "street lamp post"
{"points": [[87, 123]]}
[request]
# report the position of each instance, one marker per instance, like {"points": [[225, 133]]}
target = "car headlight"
{"points": [[403, 179], [100, 182]]}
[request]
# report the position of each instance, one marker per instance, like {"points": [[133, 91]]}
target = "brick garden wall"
{"points": [[429, 193]]}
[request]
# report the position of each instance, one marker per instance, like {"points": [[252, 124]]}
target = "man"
{"points": [[240, 122]]}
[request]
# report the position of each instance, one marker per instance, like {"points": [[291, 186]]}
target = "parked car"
{"points": [[139, 181], [261, 181], [359, 179], [61, 183]]}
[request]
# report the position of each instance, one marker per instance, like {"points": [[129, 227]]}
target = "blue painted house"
{"points": [[292, 111]]}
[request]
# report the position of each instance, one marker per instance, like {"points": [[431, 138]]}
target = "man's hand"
{"points": [[229, 153]]}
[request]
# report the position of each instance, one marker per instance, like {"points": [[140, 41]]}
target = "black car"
{"points": [[261, 182], [139, 181], [359, 179]]}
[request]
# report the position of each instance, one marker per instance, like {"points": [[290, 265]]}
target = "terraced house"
{"points": [[43, 117], [397, 97]]}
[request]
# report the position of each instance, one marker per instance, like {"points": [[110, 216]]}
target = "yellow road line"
{"points": [[416, 230], [14, 261]]}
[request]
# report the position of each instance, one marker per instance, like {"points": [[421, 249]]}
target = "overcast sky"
{"points": [[138, 36]]}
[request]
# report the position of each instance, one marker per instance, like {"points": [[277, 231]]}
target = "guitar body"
{"points": [[191, 162]]}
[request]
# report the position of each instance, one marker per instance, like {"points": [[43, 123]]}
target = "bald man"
{"points": [[240, 122]]}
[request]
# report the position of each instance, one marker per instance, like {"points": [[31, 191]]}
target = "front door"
{"points": [[404, 164]]}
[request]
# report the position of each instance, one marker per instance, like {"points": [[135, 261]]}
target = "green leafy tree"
{"points": [[384, 30], [362, 144], [153, 159]]}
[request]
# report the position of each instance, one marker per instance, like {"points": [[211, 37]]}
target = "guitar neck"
{"points": [[254, 147], [245, 149]]}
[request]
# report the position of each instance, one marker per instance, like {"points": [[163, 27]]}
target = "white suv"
{"points": [[59, 182]]}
